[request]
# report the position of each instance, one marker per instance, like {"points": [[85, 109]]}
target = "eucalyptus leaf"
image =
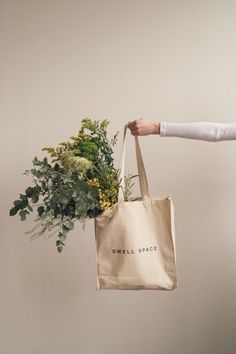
{"points": [[59, 249], [62, 236], [30, 191], [22, 214], [35, 198], [17, 204], [13, 211], [59, 242], [40, 210], [69, 224]]}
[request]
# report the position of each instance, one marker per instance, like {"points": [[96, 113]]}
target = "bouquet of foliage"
{"points": [[79, 183]]}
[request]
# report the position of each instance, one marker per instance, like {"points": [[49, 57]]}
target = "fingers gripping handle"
{"points": [[141, 169]]}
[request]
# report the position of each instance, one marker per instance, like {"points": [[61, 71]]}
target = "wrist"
{"points": [[156, 128]]}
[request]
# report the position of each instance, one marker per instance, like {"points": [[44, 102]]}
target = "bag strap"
{"points": [[141, 169]]}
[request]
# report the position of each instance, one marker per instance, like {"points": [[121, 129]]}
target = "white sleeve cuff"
{"points": [[163, 128]]}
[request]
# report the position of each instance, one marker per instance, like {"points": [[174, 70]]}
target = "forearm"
{"points": [[209, 131]]}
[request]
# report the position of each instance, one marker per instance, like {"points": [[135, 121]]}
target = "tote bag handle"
{"points": [[141, 169]]}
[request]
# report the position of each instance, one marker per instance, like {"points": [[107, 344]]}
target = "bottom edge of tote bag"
{"points": [[106, 282]]}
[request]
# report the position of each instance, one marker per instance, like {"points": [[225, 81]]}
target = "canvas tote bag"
{"points": [[135, 239]]}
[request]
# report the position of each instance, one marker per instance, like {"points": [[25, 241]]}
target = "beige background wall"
{"points": [[120, 60]]}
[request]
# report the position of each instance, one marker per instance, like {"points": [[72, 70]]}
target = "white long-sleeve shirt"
{"points": [[210, 131]]}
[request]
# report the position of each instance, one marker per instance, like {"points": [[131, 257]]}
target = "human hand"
{"points": [[143, 126]]}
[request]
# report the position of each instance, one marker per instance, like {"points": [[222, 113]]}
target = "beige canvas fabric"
{"points": [[135, 239]]}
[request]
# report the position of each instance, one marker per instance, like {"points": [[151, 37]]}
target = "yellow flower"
{"points": [[94, 181], [103, 199]]}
